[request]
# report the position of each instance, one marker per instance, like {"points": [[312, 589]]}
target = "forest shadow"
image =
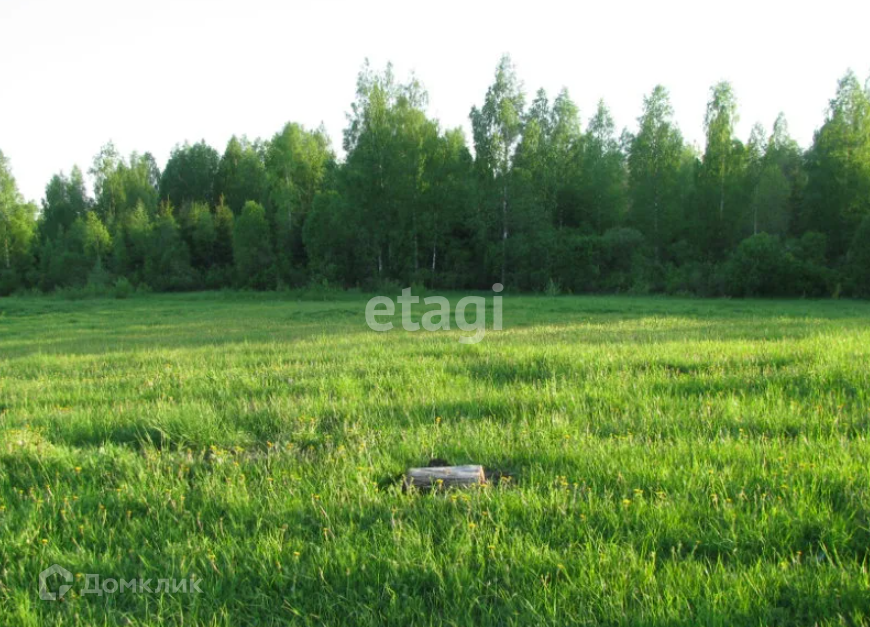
{"points": [[505, 372], [183, 321], [124, 338], [787, 385]]}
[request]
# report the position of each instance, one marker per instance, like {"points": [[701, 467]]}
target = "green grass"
{"points": [[663, 462]]}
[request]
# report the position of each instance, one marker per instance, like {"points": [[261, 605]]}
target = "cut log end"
{"points": [[445, 477]]}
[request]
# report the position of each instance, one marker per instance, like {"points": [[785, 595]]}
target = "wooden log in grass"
{"points": [[445, 476]]}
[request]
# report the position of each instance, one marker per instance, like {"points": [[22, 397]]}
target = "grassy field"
{"points": [[653, 461]]}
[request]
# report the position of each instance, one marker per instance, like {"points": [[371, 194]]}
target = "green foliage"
{"points": [[296, 163], [329, 235], [758, 267], [241, 174], [390, 142], [720, 175], [763, 265], [190, 175], [65, 200], [553, 289], [123, 288], [167, 265], [778, 183], [655, 164], [223, 231], [497, 127], [10, 282], [17, 233], [120, 186], [838, 168], [859, 260], [252, 250], [200, 235], [602, 190], [132, 244], [95, 237], [577, 261], [542, 201], [498, 123], [99, 280], [623, 259]]}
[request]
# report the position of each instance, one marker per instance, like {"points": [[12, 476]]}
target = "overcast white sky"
{"points": [[148, 75]]}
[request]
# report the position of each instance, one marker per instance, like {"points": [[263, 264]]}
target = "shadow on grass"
{"points": [[786, 385], [201, 320], [498, 370]]}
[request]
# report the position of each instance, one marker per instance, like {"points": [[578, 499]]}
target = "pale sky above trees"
{"points": [[150, 75]]}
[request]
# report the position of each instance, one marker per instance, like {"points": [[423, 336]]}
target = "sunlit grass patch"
{"points": [[652, 460]]}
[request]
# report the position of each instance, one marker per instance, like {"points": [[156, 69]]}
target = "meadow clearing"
{"points": [[652, 461]]}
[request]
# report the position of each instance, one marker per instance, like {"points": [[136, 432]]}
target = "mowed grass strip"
{"points": [[654, 461]]}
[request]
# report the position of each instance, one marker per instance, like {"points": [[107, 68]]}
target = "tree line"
{"points": [[541, 204]]}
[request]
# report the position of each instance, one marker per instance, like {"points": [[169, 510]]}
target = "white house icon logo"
{"points": [[44, 592]]}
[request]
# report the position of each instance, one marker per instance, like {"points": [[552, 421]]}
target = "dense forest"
{"points": [[537, 202]]}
